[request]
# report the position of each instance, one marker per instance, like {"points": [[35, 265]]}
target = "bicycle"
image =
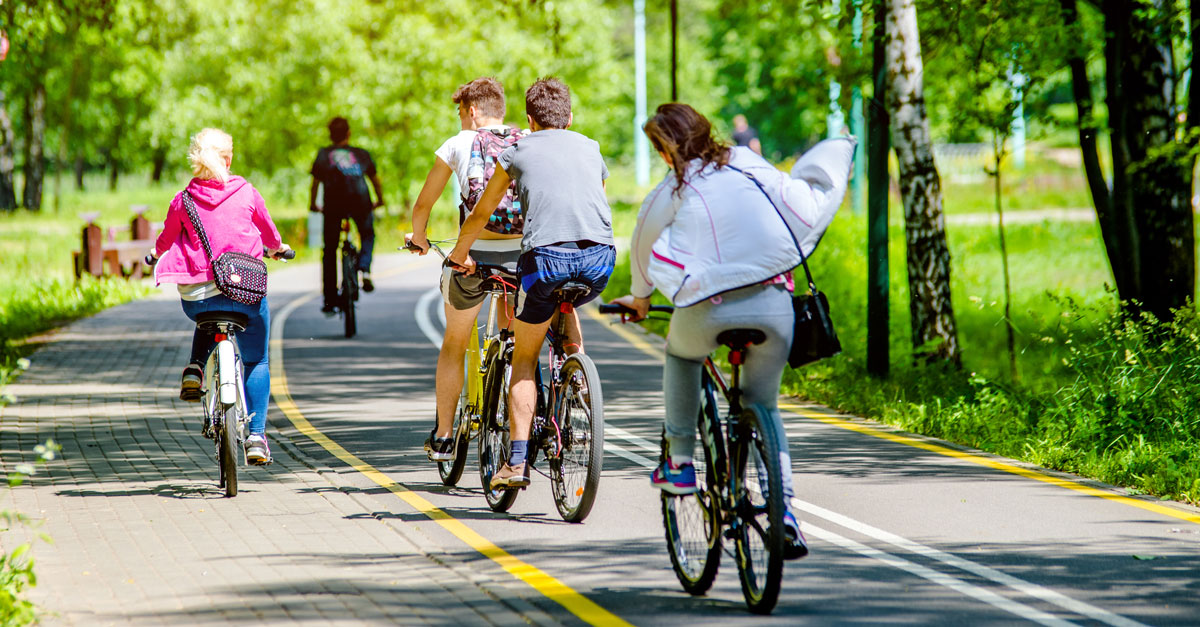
{"points": [[469, 411], [223, 395], [739, 483], [348, 290], [568, 423]]}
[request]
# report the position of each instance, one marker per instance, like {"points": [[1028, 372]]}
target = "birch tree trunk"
{"points": [[8, 192], [35, 166], [934, 331]]}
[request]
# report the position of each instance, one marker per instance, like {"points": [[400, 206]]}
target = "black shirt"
{"points": [[742, 138], [343, 170]]}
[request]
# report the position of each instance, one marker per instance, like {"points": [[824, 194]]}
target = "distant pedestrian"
{"points": [[745, 135], [343, 170]]}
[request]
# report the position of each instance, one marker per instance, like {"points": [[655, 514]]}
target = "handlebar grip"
{"points": [[288, 254], [150, 259]]}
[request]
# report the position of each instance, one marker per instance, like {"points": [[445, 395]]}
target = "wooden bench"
{"points": [[122, 258]]}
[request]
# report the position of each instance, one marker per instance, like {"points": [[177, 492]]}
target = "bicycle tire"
{"points": [[692, 523], [226, 441], [493, 448], [759, 549], [575, 470], [451, 471], [349, 292]]}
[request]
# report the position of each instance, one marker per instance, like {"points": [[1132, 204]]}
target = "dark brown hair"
{"points": [[548, 102], [683, 134], [486, 94], [339, 130]]}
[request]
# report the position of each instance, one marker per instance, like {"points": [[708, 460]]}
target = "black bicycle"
{"points": [[739, 482], [348, 290], [568, 424]]}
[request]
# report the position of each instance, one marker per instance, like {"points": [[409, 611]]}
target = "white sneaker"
{"points": [[258, 452]]}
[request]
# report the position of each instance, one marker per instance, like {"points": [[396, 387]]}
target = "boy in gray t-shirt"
{"points": [[559, 176]]}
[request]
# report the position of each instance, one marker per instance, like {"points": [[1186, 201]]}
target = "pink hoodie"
{"points": [[235, 218]]}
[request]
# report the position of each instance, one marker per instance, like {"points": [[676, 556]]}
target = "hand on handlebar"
{"points": [[461, 261], [417, 243], [284, 252], [639, 306]]}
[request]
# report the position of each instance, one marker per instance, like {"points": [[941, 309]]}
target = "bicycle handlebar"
{"points": [[622, 309], [287, 255]]}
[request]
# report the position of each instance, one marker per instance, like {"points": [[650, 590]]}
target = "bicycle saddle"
{"points": [[741, 338], [209, 320], [572, 291]]}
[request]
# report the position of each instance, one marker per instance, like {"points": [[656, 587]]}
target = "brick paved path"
{"points": [[142, 535]]}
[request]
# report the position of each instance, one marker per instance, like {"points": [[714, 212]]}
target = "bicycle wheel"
{"points": [[693, 522], [759, 529], [493, 448], [349, 291], [575, 471], [226, 441]]}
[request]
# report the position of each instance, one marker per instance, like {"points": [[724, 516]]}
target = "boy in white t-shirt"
{"points": [[480, 107]]}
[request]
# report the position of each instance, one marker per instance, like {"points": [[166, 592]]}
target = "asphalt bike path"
{"points": [[902, 528], [351, 524]]}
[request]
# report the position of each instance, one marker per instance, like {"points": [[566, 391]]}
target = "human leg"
{"points": [[252, 344], [331, 236], [365, 223], [448, 386]]}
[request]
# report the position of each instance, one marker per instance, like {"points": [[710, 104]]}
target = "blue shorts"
{"points": [[545, 269]]}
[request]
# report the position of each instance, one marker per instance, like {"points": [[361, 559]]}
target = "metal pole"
{"points": [[878, 348], [674, 50], [641, 145]]}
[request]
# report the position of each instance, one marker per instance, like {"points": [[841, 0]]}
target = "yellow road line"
{"points": [[644, 346], [553, 589]]}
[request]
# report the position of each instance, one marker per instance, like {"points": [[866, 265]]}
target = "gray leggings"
{"points": [[693, 336]]}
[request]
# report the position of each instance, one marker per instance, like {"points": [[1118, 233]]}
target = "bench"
{"points": [[122, 258]]}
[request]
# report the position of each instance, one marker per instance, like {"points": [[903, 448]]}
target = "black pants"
{"points": [[364, 222]]}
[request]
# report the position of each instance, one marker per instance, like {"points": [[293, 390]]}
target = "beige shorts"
{"points": [[463, 291]]}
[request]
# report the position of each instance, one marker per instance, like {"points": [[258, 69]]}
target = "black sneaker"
{"points": [[193, 380], [795, 547], [367, 284], [329, 310], [439, 449]]}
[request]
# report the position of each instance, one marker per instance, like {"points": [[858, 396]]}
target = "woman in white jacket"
{"points": [[722, 249]]}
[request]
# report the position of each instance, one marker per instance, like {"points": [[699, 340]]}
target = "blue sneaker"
{"points": [[794, 546], [679, 480]]}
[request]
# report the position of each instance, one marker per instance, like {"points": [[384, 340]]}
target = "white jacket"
{"points": [[721, 233]]}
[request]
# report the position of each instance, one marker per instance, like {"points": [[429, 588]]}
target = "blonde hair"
{"points": [[209, 150]]}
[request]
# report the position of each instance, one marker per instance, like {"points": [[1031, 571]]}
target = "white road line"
{"points": [[642, 443], [423, 321], [621, 451], [986, 572], [938, 577]]}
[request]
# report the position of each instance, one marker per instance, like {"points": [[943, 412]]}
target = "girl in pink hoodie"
{"points": [[235, 218]]}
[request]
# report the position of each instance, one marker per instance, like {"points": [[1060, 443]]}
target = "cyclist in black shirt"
{"points": [[344, 170]]}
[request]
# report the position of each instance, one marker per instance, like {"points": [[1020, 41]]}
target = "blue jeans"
{"points": [[546, 268], [365, 223], [252, 344]]}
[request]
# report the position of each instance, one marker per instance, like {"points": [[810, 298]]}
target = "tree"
{"points": [[934, 331], [1144, 212]]}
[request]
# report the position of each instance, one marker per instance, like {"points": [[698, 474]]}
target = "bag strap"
{"points": [[190, 206], [803, 260]]}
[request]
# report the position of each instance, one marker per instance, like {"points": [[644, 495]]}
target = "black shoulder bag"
{"points": [[813, 336], [239, 276]]}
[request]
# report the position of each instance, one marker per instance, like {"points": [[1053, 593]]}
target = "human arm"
{"points": [[657, 213], [266, 226], [378, 191], [435, 184], [172, 226], [755, 145], [467, 234], [312, 195]]}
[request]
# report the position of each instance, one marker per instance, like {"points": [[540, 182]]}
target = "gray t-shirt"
{"points": [[559, 176]]}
